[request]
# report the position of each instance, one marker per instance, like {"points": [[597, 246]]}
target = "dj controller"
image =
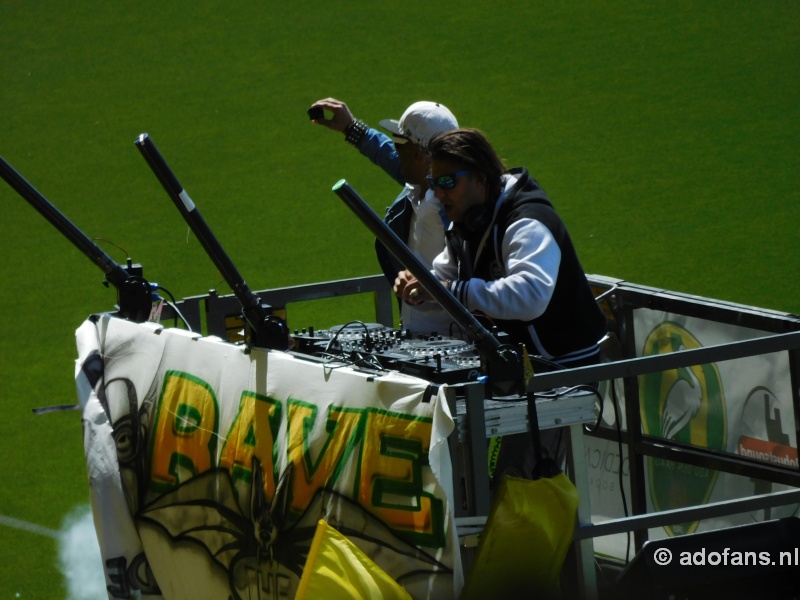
{"points": [[435, 358]]}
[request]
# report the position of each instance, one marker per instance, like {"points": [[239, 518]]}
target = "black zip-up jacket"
{"points": [[570, 323]]}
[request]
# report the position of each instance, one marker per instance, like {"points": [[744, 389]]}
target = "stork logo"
{"points": [[686, 405]]}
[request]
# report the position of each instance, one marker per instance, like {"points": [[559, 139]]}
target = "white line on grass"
{"points": [[24, 525]]}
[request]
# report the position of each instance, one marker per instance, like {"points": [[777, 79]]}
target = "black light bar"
{"points": [[133, 291], [261, 328]]}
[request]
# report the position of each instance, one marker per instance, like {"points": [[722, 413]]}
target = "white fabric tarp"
{"points": [[210, 466]]}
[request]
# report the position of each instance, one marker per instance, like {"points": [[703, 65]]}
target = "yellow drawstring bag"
{"points": [[528, 533]]}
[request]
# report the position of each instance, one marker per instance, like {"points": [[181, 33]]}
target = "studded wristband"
{"points": [[355, 132]]}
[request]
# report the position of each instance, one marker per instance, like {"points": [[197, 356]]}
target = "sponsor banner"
{"points": [[770, 452], [741, 406], [609, 472], [210, 466]]}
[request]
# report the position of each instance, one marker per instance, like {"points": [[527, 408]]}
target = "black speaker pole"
{"points": [[134, 293], [502, 363], [261, 328]]}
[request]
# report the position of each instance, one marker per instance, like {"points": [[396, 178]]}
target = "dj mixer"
{"points": [[437, 358]]}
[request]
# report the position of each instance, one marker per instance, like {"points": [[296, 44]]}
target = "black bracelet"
{"points": [[355, 132]]}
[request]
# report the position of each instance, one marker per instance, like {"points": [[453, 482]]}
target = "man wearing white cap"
{"points": [[416, 216]]}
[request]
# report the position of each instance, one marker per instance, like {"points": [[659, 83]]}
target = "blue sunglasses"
{"points": [[446, 182]]}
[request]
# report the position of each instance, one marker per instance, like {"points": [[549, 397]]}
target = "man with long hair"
{"points": [[509, 257]]}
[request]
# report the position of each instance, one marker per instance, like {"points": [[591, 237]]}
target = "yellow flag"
{"points": [[336, 569]]}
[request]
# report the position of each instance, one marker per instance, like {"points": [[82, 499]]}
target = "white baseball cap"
{"points": [[420, 122]]}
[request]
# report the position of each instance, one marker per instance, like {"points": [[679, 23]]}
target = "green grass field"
{"points": [[666, 134]]}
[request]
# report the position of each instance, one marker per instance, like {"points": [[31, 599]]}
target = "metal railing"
{"points": [[620, 300]]}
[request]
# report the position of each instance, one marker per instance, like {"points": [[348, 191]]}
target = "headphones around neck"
{"points": [[478, 218]]}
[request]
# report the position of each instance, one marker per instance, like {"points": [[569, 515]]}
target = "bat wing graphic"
{"points": [[401, 560], [204, 510], [204, 514], [264, 553]]}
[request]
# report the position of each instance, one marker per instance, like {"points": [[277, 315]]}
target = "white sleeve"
{"points": [[530, 259], [445, 265]]}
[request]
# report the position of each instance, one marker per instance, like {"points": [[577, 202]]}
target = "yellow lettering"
{"points": [[319, 467], [394, 456], [184, 437], [252, 435]]}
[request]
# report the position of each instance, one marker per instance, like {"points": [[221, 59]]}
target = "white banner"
{"points": [[742, 406], [210, 466]]}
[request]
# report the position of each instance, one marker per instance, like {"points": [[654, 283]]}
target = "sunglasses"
{"points": [[446, 182]]}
